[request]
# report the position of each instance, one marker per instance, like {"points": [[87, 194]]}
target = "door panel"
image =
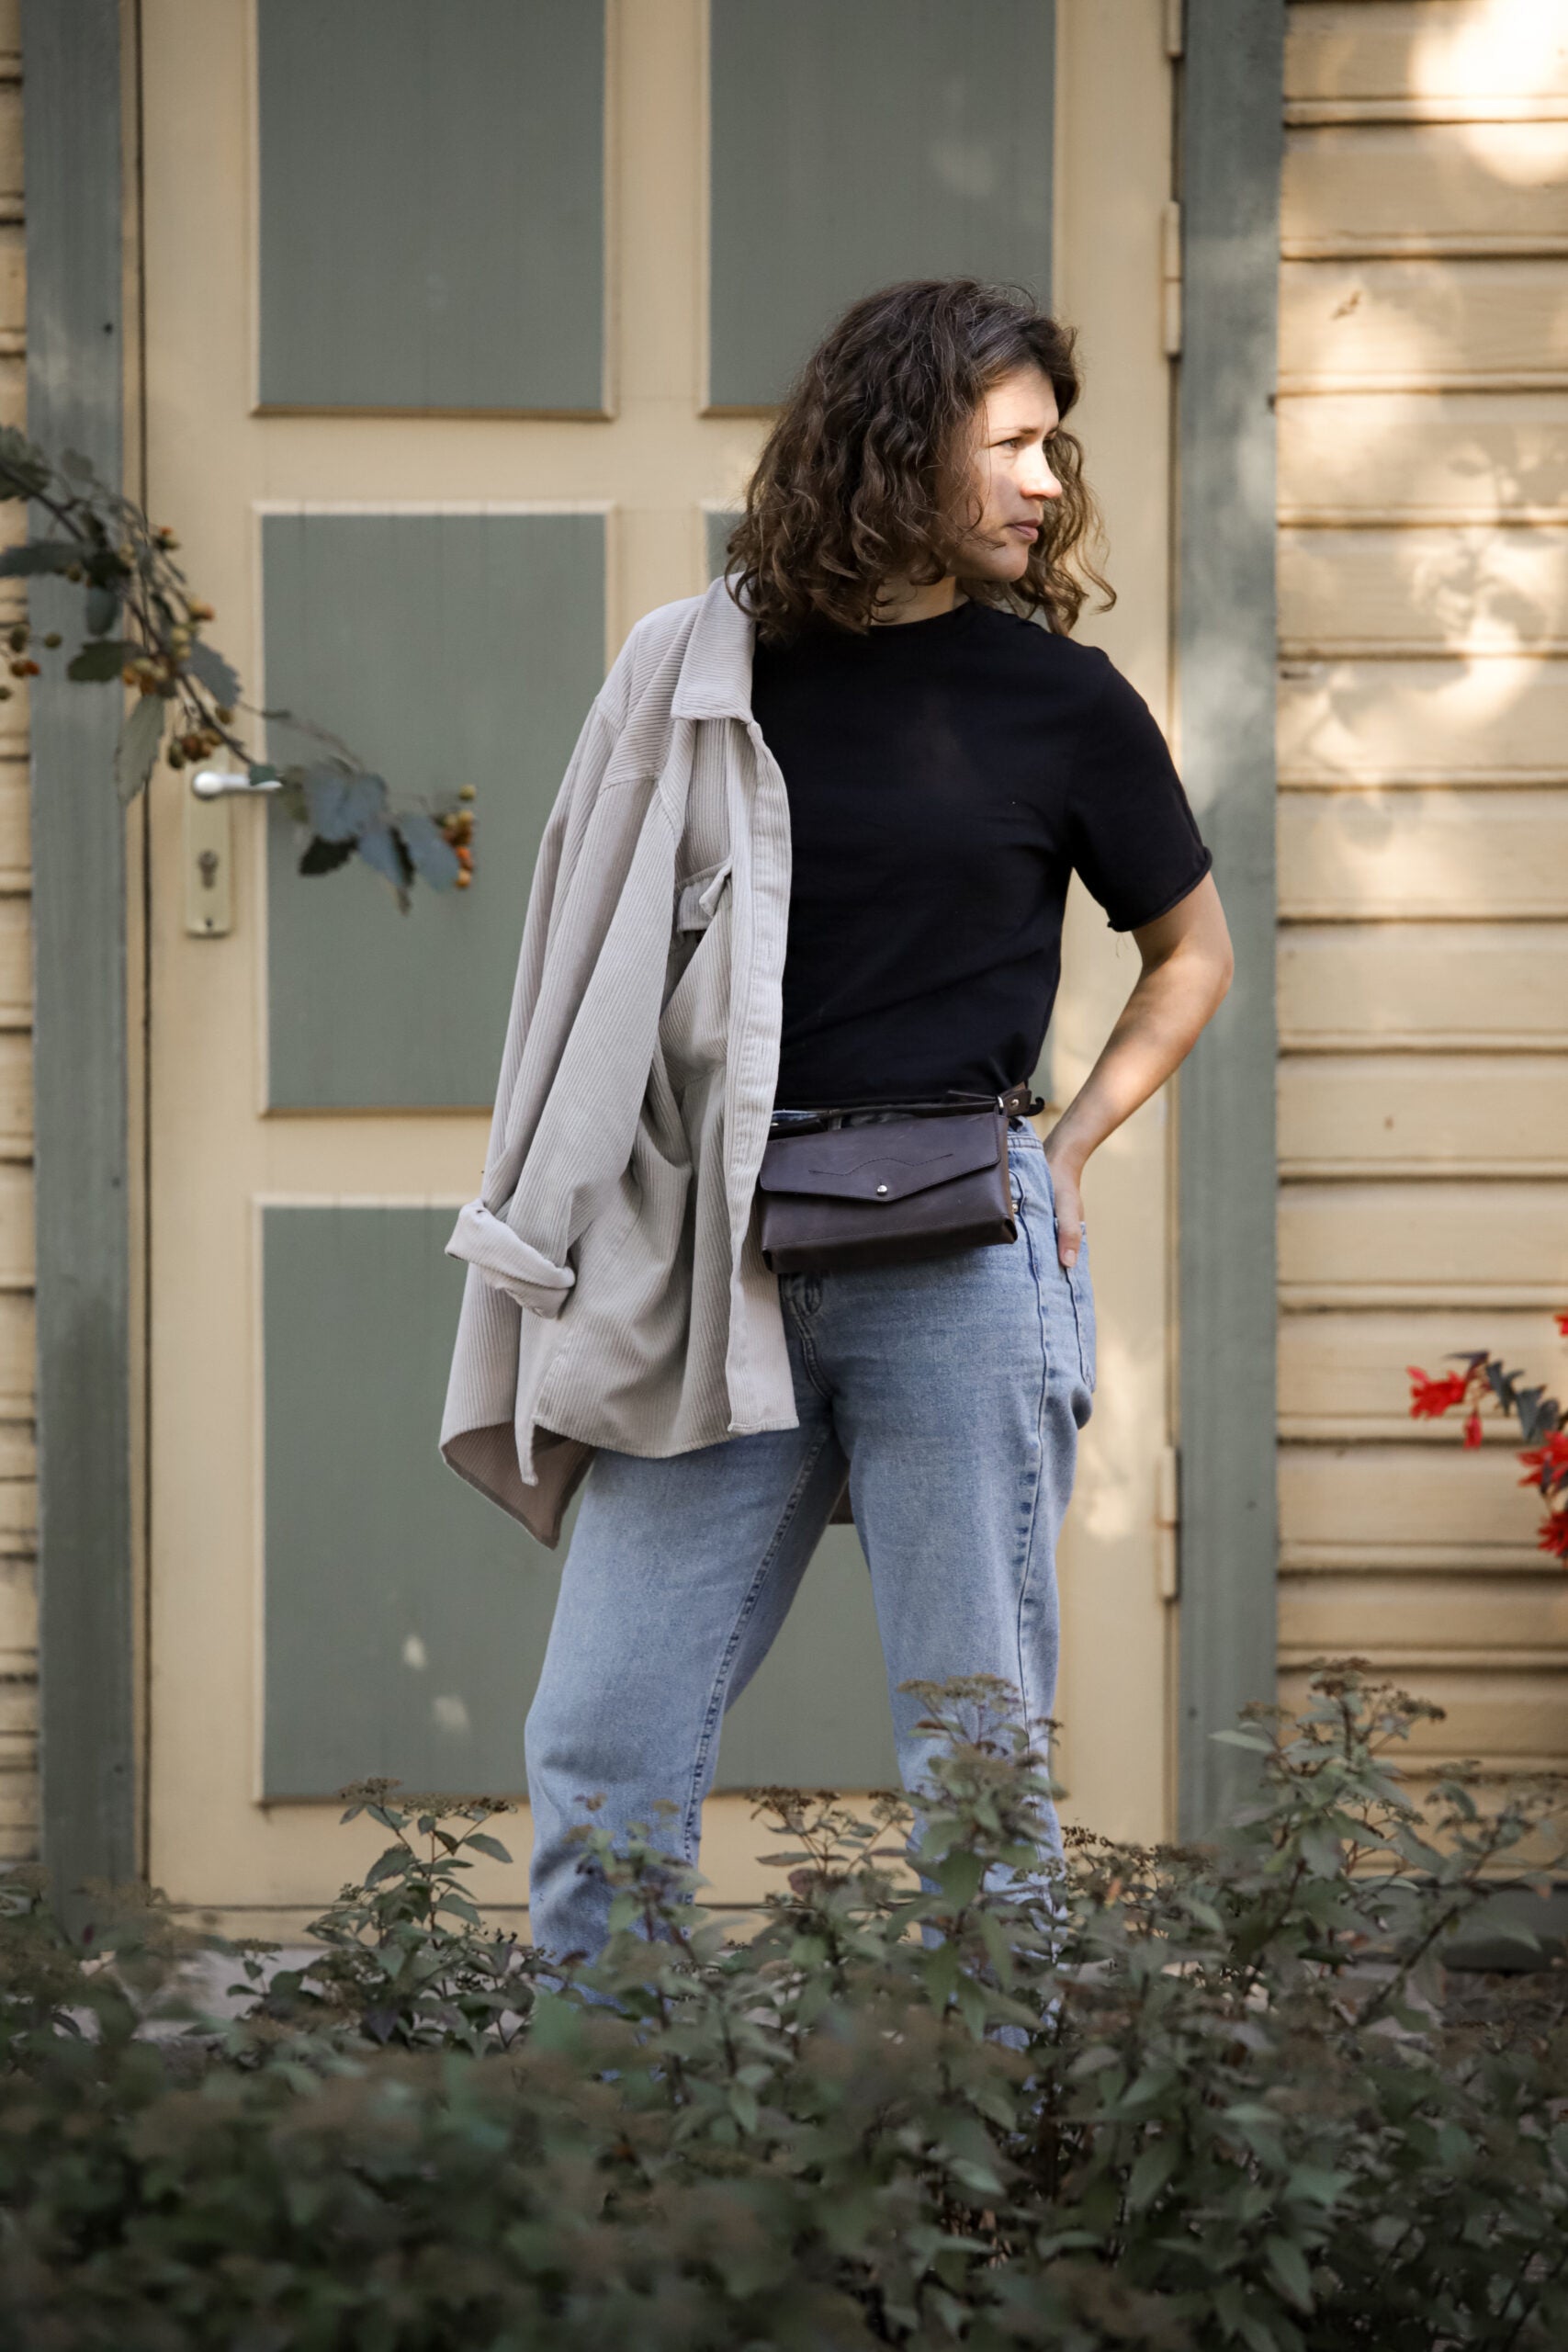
{"points": [[432, 205], [409, 540], [400, 1632], [854, 146], [445, 649]]}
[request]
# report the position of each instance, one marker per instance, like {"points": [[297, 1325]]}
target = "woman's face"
{"points": [[1009, 476]]}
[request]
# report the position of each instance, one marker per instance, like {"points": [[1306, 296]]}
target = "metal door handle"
{"points": [[217, 783]]}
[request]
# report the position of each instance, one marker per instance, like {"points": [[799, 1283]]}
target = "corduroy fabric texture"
{"points": [[616, 1295]]}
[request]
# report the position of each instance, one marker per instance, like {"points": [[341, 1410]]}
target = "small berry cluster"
{"points": [[19, 638], [158, 670], [1541, 1418], [457, 825]]}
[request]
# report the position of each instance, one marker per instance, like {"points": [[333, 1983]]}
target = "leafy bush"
{"points": [[1173, 2098]]}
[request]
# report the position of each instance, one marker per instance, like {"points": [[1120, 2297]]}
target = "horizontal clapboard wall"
{"points": [[853, 146], [1423, 843], [432, 205], [447, 647]]}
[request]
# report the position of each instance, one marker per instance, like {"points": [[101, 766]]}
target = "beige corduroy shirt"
{"points": [[615, 1294]]}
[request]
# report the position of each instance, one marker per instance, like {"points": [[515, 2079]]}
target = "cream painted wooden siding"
{"points": [[1423, 419], [18, 1604]]}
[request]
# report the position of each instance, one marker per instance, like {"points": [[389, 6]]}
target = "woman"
{"points": [[812, 852]]}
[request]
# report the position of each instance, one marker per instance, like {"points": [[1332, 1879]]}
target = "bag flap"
{"points": [[856, 1164]]}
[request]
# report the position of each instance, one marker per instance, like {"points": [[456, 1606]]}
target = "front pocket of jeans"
{"points": [[1082, 1288]]}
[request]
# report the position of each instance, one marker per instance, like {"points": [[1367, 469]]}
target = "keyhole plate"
{"points": [[209, 868]]}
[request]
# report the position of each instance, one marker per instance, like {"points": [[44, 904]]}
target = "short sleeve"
{"points": [[1134, 837]]}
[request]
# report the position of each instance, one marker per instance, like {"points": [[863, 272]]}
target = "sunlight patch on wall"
{"points": [[1492, 48]]}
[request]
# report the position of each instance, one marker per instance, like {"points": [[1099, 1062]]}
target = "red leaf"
{"points": [[1544, 1465], [1430, 1398]]}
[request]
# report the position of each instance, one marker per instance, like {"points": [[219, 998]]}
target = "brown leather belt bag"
{"points": [[892, 1191]]}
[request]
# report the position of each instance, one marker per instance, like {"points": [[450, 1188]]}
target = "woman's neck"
{"points": [[900, 601]]}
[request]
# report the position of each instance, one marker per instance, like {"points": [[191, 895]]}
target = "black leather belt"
{"points": [[1018, 1103]]}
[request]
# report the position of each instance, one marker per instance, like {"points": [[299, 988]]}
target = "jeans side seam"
{"points": [[1080, 1312], [721, 1678], [1028, 1561]]}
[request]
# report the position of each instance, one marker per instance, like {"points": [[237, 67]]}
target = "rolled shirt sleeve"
{"points": [[509, 1263]]}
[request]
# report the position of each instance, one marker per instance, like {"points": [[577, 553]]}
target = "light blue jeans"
{"points": [[956, 1390]]}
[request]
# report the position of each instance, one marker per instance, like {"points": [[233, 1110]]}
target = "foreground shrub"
{"points": [[1168, 2098]]}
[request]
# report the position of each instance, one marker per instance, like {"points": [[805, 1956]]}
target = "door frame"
{"points": [[1230, 97], [85, 1055]]}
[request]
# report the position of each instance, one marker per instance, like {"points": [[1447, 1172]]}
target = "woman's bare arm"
{"points": [[1187, 969]]}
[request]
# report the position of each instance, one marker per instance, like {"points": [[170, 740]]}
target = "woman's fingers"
{"points": [[1069, 1212]]}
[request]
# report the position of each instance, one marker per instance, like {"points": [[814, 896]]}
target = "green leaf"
{"points": [[743, 2107], [431, 853], [382, 848], [106, 658], [38, 555], [341, 803], [138, 747], [322, 857], [101, 610], [1539, 1414], [482, 1843], [1317, 2183], [462, 1906], [1320, 1851], [959, 1876], [940, 1968], [23, 469], [387, 1865], [1288, 2266], [208, 666], [73, 462], [1152, 2171], [262, 772]]}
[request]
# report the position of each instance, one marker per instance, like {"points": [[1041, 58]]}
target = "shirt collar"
{"points": [[715, 673]]}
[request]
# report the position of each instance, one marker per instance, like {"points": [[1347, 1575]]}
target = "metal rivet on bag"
{"points": [[881, 1188]]}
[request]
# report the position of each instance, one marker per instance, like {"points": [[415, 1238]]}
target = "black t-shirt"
{"points": [[945, 776]]}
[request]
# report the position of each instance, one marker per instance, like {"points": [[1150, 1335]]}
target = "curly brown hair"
{"points": [[856, 482]]}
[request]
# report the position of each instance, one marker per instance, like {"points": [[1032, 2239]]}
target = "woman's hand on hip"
{"points": [[1187, 966], [1066, 1185]]}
